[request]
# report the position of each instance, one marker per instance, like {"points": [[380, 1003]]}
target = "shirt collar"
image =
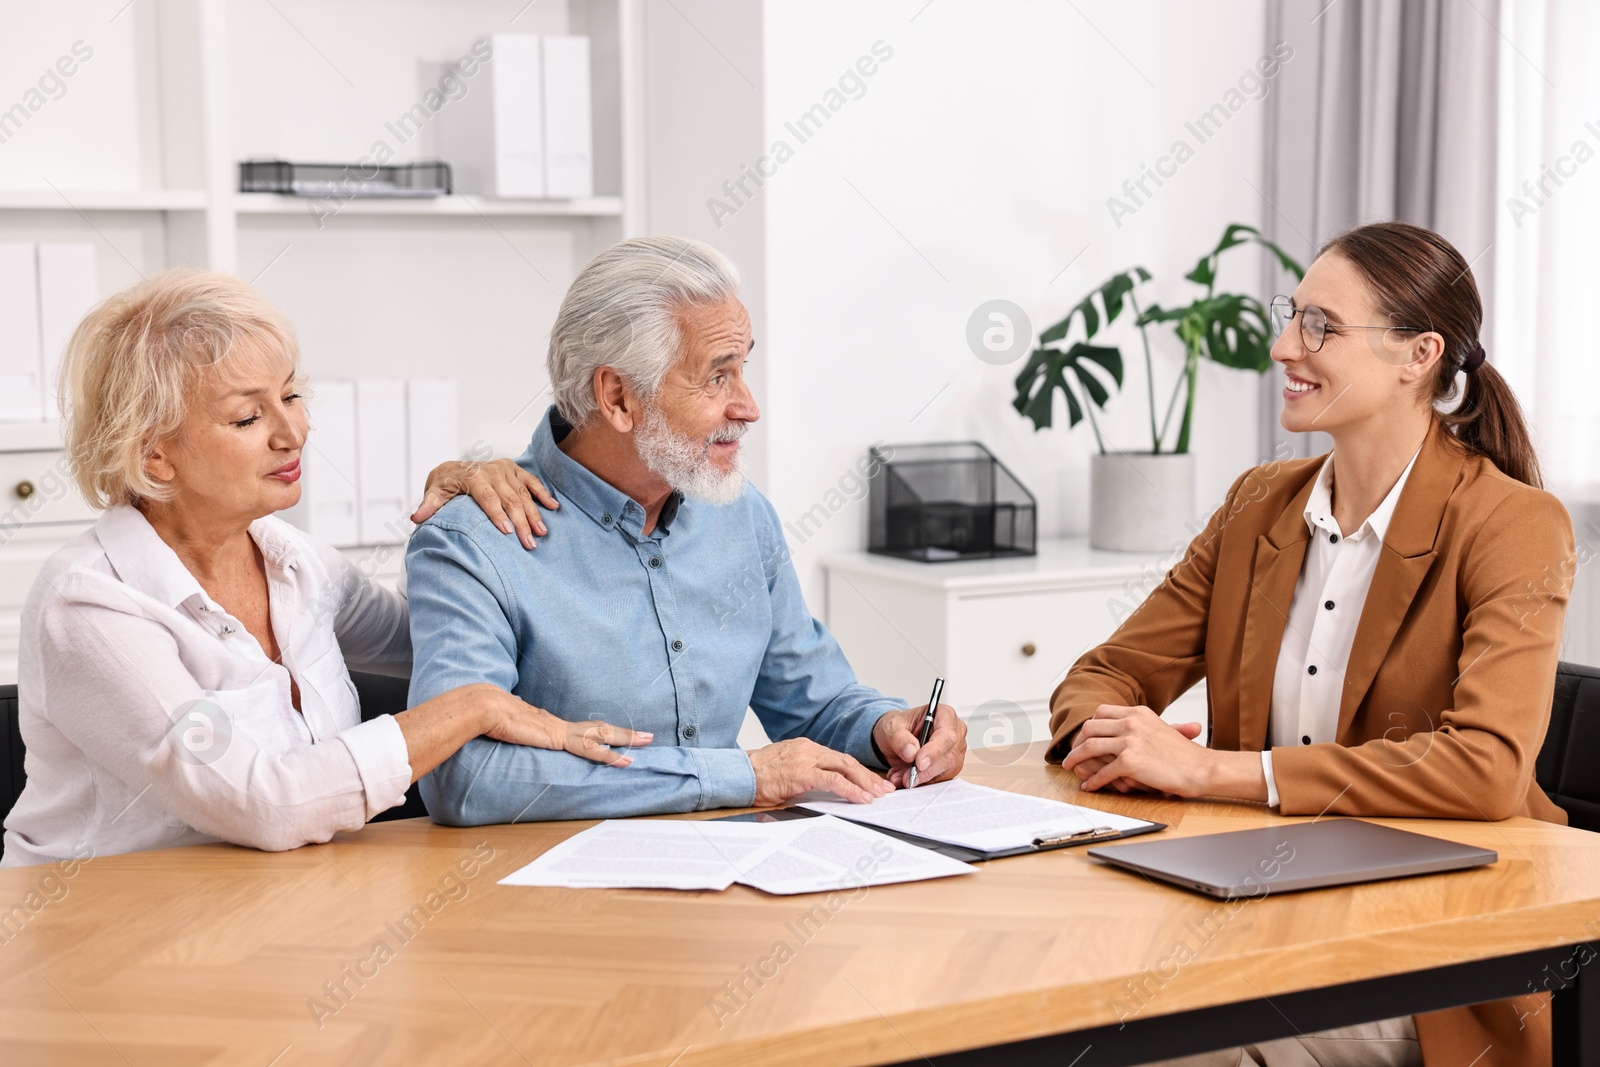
{"points": [[1319, 506], [147, 563], [608, 506]]}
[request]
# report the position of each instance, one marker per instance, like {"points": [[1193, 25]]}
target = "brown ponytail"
{"points": [[1418, 277]]}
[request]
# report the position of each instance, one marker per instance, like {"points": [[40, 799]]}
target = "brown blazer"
{"points": [[1447, 691]]}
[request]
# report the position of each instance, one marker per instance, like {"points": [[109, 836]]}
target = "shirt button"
{"points": [[1306, 740], [689, 731], [1311, 669], [605, 520], [1333, 539], [1328, 605], [677, 646], [227, 631], [655, 561]]}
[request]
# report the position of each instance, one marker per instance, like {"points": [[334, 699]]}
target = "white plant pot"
{"points": [[1139, 502]]}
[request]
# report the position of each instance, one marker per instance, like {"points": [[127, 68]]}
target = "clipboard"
{"points": [[1094, 836]]}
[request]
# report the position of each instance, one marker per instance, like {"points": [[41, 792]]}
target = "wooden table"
{"points": [[222, 955]]}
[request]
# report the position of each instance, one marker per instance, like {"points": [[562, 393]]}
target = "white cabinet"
{"points": [[1002, 632], [40, 510]]}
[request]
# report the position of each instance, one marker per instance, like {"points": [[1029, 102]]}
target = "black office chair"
{"points": [[378, 694], [10, 751], [381, 695], [1568, 768]]}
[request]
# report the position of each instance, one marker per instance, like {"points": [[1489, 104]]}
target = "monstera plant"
{"points": [[1227, 328], [1083, 366]]}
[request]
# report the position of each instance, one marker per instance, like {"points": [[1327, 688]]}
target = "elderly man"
{"points": [[623, 611]]}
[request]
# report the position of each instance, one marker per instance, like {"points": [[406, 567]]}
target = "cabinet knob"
{"points": [[1029, 649], [24, 489]]}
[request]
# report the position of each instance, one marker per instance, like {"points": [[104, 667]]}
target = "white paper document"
{"points": [[975, 816], [826, 854], [654, 854], [795, 856]]}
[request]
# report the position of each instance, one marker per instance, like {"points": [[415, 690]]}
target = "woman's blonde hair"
{"points": [[133, 366]]}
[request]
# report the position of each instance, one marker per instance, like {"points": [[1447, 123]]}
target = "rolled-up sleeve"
{"points": [[382, 759]]}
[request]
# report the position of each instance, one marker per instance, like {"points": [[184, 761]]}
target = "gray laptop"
{"points": [[1282, 859]]}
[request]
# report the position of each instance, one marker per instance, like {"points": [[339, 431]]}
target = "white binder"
{"points": [[21, 368], [385, 503], [68, 288], [431, 428], [493, 138], [568, 130], [328, 494]]}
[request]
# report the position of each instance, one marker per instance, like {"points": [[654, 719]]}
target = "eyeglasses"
{"points": [[1314, 323]]}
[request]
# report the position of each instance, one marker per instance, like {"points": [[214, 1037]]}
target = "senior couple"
{"points": [[1365, 633], [184, 664]]}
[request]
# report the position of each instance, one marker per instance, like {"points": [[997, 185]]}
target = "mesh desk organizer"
{"points": [[344, 180], [948, 501]]}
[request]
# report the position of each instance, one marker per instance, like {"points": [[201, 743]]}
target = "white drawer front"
{"points": [[991, 637], [36, 488], [24, 555]]}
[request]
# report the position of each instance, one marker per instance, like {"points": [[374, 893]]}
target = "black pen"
{"points": [[927, 728]]}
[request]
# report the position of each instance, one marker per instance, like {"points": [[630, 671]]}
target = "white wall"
{"points": [[703, 118], [977, 165], [83, 131]]}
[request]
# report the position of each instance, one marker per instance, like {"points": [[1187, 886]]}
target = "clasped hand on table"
{"points": [[1132, 748]]}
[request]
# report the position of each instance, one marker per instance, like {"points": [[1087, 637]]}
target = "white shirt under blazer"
{"points": [[1323, 616], [152, 718]]}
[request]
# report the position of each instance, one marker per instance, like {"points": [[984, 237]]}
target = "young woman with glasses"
{"points": [[1378, 627]]}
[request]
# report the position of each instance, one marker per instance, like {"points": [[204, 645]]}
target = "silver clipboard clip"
{"points": [[1094, 833]]}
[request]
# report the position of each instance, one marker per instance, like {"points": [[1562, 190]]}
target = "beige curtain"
{"points": [[1387, 110]]}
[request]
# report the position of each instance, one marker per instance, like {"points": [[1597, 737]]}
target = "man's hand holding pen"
{"points": [[941, 758]]}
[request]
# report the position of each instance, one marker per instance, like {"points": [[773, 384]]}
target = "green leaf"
{"points": [[1047, 373], [1088, 381], [1074, 410], [1082, 373], [1157, 313], [1112, 295], [1091, 319], [1285, 260], [1059, 330], [1237, 233], [1235, 331], [1106, 356]]}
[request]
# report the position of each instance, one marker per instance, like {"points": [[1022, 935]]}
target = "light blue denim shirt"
{"points": [[676, 633]]}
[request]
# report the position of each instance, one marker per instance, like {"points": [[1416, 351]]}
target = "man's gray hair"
{"points": [[622, 312]]}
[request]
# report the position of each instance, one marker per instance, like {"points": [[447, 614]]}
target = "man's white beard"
{"points": [[686, 464]]}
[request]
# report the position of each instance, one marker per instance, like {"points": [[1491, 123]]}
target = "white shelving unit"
{"points": [[179, 91], [599, 207], [103, 200]]}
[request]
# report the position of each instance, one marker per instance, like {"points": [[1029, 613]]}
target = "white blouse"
{"points": [[1323, 616], [152, 717]]}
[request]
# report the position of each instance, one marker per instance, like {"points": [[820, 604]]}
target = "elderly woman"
{"points": [[183, 670]]}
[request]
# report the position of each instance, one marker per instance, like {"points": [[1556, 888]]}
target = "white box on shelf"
{"points": [[431, 429], [384, 511], [328, 465], [493, 138], [21, 367], [568, 127], [69, 286]]}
